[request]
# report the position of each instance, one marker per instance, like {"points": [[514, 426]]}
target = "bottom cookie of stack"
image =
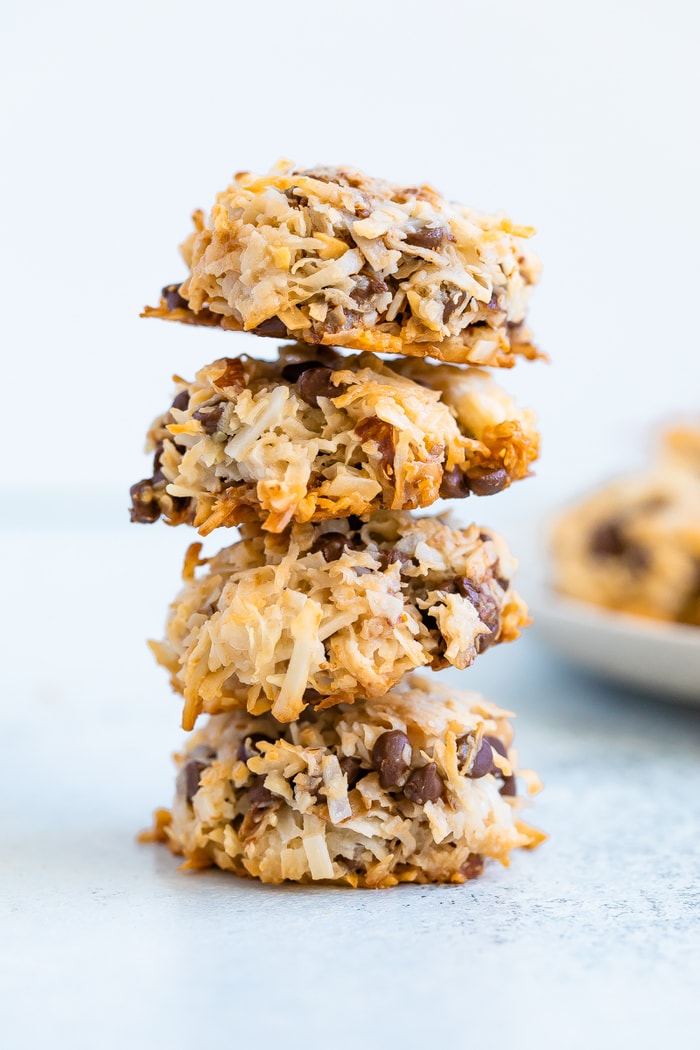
{"points": [[417, 786]]}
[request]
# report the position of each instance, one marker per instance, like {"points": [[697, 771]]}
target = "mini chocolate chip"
{"points": [[192, 771], [482, 762], [248, 746], [497, 744], [144, 506], [331, 545], [210, 418], [272, 327], [424, 785], [509, 787], [428, 237], [473, 866], [486, 537], [315, 383], [371, 428], [492, 304], [158, 475], [182, 400], [291, 372], [391, 757], [355, 522], [173, 299], [451, 304], [607, 540], [489, 484], [367, 285], [387, 558], [454, 484], [260, 796], [485, 605], [352, 767], [502, 582]]}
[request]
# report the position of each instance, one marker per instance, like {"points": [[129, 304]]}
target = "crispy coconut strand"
{"points": [[635, 546], [323, 614], [315, 435], [334, 257], [416, 786]]}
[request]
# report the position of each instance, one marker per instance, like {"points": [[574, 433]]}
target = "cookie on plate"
{"points": [[324, 614], [415, 786], [315, 435], [331, 256], [634, 546]]}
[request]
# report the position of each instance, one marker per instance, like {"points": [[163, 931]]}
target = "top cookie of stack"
{"points": [[329, 256]]}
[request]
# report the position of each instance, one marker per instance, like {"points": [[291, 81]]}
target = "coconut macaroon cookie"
{"points": [[332, 256], [315, 435], [635, 546], [415, 786], [324, 614]]}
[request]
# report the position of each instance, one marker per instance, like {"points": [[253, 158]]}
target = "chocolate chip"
{"points": [[509, 787], [355, 522], [428, 237], [248, 746], [482, 762], [451, 304], [473, 866], [497, 744], [145, 508], [182, 400], [272, 327], [260, 797], [210, 418], [311, 696], [486, 537], [173, 299], [485, 605], [352, 767], [391, 757], [378, 430], [387, 558], [331, 545], [192, 771], [158, 475], [489, 484], [291, 372], [368, 285], [502, 582], [608, 540], [424, 785], [454, 484], [315, 383]]}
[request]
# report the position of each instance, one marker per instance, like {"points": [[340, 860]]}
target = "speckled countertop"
{"points": [[594, 939]]}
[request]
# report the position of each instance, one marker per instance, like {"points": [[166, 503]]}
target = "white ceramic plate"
{"points": [[661, 658]]}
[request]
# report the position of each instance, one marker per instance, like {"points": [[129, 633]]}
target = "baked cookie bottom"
{"points": [[416, 786], [315, 435], [324, 614]]}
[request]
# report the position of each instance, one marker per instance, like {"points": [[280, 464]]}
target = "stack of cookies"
{"points": [[324, 757]]}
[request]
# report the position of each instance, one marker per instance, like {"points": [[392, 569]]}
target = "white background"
{"points": [[118, 120]]}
